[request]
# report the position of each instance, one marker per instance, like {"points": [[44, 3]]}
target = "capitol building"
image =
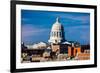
{"points": [[58, 42], [57, 48]]}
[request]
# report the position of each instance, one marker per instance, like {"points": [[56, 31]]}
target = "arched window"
{"points": [[57, 34], [60, 34], [54, 34]]}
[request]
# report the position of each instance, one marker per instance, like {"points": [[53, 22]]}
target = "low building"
{"points": [[71, 50]]}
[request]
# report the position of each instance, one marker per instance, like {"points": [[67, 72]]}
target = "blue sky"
{"points": [[36, 25]]}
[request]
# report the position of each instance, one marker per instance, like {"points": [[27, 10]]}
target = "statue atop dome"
{"points": [[57, 19]]}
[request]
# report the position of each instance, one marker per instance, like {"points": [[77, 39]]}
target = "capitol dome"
{"points": [[57, 33], [56, 26]]}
